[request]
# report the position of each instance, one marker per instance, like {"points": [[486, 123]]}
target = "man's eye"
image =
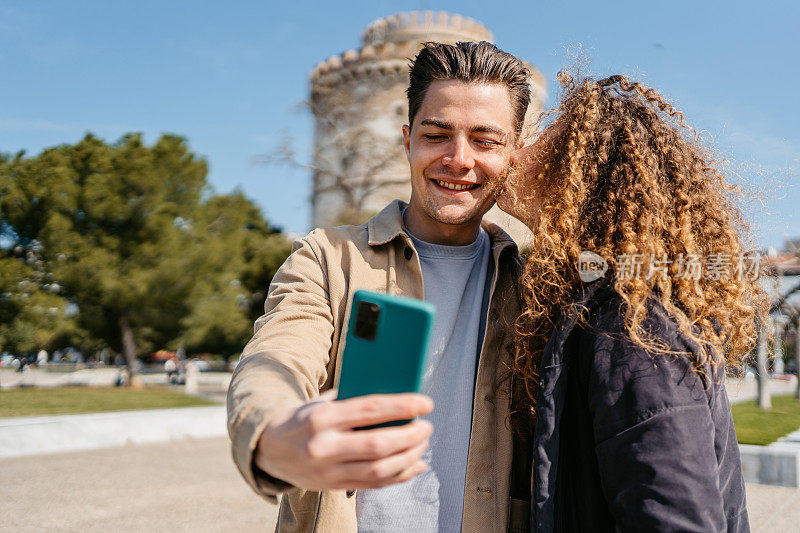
{"points": [[488, 143], [434, 136]]}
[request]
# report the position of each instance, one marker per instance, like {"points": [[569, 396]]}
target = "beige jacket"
{"points": [[295, 354]]}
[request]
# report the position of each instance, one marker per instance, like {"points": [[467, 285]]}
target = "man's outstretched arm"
{"points": [[281, 436]]}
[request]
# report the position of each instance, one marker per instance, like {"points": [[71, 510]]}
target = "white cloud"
{"points": [[22, 124]]}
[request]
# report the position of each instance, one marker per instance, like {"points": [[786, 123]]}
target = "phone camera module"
{"points": [[367, 315]]}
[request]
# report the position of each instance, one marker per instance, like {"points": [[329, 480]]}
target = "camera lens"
{"points": [[367, 320]]}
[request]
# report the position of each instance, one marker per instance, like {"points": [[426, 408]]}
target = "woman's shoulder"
{"points": [[618, 371], [605, 321]]}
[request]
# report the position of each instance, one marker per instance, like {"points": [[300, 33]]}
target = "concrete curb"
{"points": [[777, 464], [54, 434]]}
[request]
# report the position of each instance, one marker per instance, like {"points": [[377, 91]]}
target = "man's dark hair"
{"points": [[471, 62]]}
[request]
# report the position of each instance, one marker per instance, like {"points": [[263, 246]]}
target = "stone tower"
{"points": [[359, 104]]}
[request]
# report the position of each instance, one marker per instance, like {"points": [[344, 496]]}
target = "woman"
{"points": [[622, 377]]}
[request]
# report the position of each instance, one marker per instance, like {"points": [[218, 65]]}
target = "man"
{"points": [[467, 103]]}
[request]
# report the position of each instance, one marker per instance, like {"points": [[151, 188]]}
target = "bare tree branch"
{"points": [[347, 174]]}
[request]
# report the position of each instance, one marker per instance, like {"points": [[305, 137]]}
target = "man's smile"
{"points": [[453, 186]]}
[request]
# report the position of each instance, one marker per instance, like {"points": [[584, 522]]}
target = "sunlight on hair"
{"points": [[620, 172]]}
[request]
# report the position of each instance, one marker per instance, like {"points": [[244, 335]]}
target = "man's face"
{"points": [[461, 138]]}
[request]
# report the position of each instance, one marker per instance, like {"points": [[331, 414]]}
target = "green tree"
{"points": [[33, 316], [106, 218], [240, 254], [137, 242]]}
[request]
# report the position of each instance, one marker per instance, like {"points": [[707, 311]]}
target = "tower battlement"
{"points": [[370, 61], [421, 26], [390, 41]]}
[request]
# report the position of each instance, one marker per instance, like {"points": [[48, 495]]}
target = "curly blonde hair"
{"points": [[619, 173]]}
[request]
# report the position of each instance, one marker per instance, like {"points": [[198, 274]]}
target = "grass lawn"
{"points": [[70, 400], [758, 426]]}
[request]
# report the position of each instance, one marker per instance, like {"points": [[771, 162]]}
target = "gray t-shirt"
{"points": [[455, 281]]}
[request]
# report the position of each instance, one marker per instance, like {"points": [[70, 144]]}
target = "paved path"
{"points": [[99, 377], [189, 485], [773, 509], [740, 390], [192, 485]]}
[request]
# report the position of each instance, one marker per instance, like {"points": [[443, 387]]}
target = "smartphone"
{"points": [[386, 346]]}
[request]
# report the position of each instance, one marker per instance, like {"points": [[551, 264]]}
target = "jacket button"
{"points": [[409, 253]]}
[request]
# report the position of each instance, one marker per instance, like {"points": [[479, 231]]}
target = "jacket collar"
{"points": [[388, 225], [554, 348]]}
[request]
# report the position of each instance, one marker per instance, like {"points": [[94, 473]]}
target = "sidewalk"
{"points": [[740, 390], [773, 509], [192, 485], [180, 486], [99, 377]]}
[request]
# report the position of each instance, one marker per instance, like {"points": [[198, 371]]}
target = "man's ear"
{"points": [[407, 141]]}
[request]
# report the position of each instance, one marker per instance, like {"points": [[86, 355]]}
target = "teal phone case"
{"points": [[394, 360]]}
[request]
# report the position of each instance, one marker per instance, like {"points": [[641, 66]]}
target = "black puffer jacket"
{"points": [[627, 440]]}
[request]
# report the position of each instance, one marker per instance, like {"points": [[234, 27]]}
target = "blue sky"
{"points": [[230, 77]]}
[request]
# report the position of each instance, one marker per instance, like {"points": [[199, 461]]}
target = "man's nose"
{"points": [[460, 155]]}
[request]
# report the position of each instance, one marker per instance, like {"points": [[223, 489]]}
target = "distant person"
{"points": [[191, 377], [624, 369], [171, 368], [451, 470], [123, 377]]}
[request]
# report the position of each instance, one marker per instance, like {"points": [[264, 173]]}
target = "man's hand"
{"points": [[315, 447]]}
